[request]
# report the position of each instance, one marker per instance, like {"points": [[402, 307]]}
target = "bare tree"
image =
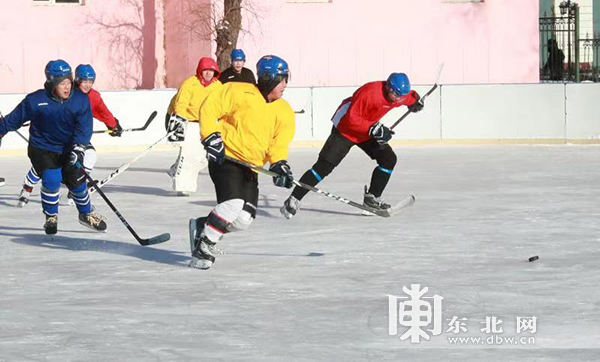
{"points": [[223, 23]]}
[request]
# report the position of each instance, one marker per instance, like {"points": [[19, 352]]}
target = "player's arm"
{"points": [[414, 101], [101, 112], [284, 133], [15, 119], [215, 106], [82, 133], [279, 150], [183, 98]]}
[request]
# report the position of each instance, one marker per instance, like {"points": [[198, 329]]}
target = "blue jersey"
{"points": [[55, 125]]}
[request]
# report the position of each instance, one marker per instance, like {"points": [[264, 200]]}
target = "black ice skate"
{"points": [[24, 195], [202, 248], [290, 207], [374, 202], [2, 181], [94, 221], [51, 224]]}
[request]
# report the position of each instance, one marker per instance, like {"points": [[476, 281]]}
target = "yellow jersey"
{"points": [[186, 103], [253, 130]]}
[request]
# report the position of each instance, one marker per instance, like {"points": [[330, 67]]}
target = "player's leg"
{"points": [[48, 165], [191, 159], [333, 152], [31, 179], [76, 183], [229, 181], [386, 161]]}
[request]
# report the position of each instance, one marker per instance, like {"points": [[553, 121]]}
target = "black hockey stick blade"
{"points": [[144, 242], [143, 128], [155, 239], [150, 119]]}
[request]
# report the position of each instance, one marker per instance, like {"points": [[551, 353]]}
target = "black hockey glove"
{"points": [[380, 133], [215, 149], [284, 176], [117, 130], [418, 105], [176, 127], [77, 155]]}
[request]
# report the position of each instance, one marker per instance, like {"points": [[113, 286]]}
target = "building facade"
{"points": [[146, 44]]}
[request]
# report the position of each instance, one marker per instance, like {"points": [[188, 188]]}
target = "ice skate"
{"points": [[202, 248], [94, 221], [51, 224], [24, 195], [373, 202], [290, 207], [2, 181]]}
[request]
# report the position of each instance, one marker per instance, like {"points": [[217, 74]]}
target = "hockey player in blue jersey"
{"points": [[61, 127]]}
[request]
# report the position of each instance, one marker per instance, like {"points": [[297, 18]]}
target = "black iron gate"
{"points": [[559, 53]]}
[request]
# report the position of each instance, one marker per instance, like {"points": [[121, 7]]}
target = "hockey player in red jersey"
{"points": [[85, 76], [356, 122]]}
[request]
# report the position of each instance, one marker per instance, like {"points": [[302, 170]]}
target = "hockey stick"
{"points": [[383, 213], [125, 166], [435, 86], [143, 128], [145, 242], [23, 137]]}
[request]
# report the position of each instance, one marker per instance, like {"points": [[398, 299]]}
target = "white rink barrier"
{"points": [[494, 113]]}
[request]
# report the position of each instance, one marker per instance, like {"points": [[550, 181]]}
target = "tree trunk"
{"points": [[228, 31]]}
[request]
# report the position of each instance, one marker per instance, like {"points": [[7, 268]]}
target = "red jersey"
{"points": [[100, 111], [367, 106]]}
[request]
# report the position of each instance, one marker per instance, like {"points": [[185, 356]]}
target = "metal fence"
{"points": [[590, 58], [559, 53]]}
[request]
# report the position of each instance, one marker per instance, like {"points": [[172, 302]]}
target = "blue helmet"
{"points": [[238, 54], [84, 72], [57, 70], [271, 66], [399, 83]]}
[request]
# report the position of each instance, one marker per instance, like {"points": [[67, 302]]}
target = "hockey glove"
{"points": [[77, 155], [418, 105], [117, 130], [176, 127], [380, 133], [215, 149], [284, 176]]}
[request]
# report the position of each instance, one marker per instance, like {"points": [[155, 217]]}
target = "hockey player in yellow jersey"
{"points": [[252, 124], [183, 117]]}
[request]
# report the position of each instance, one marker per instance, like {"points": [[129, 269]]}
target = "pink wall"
{"points": [[344, 42], [122, 39], [186, 38], [349, 42]]}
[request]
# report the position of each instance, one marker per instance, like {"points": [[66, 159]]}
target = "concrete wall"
{"points": [[525, 113]]}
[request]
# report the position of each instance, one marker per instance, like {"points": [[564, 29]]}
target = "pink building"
{"points": [[144, 44]]}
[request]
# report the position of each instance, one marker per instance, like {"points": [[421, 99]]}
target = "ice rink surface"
{"points": [[315, 287]]}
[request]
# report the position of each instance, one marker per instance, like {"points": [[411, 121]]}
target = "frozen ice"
{"points": [[314, 287]]}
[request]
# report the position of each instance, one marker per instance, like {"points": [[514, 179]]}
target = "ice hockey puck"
{"points": [[534, 258]]}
